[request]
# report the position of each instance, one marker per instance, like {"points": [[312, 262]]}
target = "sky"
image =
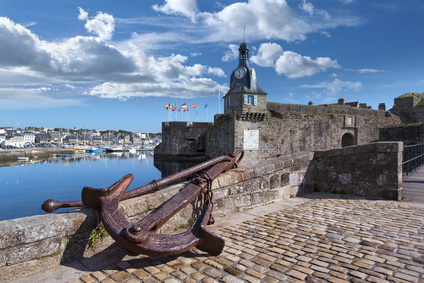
{"points": [[111, 65]]}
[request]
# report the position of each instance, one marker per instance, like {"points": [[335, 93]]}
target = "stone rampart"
{"points": [[182, 139], [371, 170], [408, 133], [31, 244]]}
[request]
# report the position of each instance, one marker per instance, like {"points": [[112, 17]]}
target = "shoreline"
{"points": [[32, 153]]}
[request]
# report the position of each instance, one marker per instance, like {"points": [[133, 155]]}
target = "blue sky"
{"points": [[116, 64]]}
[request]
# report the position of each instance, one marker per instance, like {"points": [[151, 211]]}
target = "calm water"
{"points": [[25, 187]]}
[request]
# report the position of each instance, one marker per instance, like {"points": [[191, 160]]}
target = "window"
{"points": [[250, 99]]}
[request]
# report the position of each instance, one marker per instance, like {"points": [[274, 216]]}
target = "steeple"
{"points": [[244, 55]]}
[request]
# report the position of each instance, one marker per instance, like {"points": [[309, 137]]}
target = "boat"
{"points": [[94, 150], [115, 149], [23, 158], [66, 155]]}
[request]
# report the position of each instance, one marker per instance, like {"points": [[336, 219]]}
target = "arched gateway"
{"points": [[348, 140]]}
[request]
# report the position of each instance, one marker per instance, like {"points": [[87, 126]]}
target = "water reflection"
{"points": [[24, 186]]}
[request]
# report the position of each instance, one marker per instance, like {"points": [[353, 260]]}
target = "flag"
{"points": [[186, 110], [194, 105], [179, 110], [167, 106], [206, 106], [184, 105], [174, 108]]}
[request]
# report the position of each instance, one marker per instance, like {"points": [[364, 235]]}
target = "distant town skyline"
{"points": [[110, 65]]}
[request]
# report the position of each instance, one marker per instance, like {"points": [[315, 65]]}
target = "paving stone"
{"points": [[120, 276], [180, 275], [296, 274], [323, 240], [232, 279], [87, 278], [98, 275], [255, 273], [141, 274]]}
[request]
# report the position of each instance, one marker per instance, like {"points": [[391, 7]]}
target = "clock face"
{"points": [[240, 72]]}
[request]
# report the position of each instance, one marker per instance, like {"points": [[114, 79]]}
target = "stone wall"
{"points": [[182, 140], [409, 107], [295, 128], [31, 244], [372, 170], [410, 133]]}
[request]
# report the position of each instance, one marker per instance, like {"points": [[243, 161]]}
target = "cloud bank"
{"points": [[291, 64]]}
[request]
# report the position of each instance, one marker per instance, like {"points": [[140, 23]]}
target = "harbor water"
{"points": [[24, 187]]}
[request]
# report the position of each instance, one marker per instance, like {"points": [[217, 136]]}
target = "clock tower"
{"points": [[245, 100]]}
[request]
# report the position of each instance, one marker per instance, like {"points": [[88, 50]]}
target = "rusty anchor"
{"points": [[141, 237]]}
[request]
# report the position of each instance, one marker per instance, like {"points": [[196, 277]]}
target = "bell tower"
{"points": [[245, 100]]}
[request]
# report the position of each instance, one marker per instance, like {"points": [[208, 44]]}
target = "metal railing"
{"points": [[413, 157]]}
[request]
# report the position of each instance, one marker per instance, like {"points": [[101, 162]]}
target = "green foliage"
{"points": [[336, 192], [99, 232], [70, 240], [50, 255], [190, 222], [420, 104]]}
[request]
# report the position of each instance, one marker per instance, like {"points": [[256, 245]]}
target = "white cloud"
{"points": [[366, 71], [187, 8], [289, 63], [336, 86], [195, 54], [102, 24], [231, 54], [267, 54], [325, 33], [269, 19], [294, 65], [217, 72], [346, 1], [83, 15], [119, 73], [307, 7]]}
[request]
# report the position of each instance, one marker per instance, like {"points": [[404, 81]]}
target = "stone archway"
{"points": [[348, 140]]}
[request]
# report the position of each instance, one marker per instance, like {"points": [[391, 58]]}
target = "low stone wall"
{"points": [[371, 170], [31, 244]]}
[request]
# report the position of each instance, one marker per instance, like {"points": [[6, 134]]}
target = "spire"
{"points": [[244, 35]]}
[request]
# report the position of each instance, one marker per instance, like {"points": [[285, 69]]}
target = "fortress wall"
{"points": [[410, 133], [219, 138], [32, 244], [324, 109], [182, 139], [371, 170], [289, 132]]}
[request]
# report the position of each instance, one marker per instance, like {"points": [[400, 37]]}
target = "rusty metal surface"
{"points": [[142, 237]]}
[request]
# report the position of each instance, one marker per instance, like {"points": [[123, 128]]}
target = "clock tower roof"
{"points": [[243, 78]]}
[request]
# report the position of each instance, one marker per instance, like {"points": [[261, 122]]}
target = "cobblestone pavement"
{"points": [[321, 240]]}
